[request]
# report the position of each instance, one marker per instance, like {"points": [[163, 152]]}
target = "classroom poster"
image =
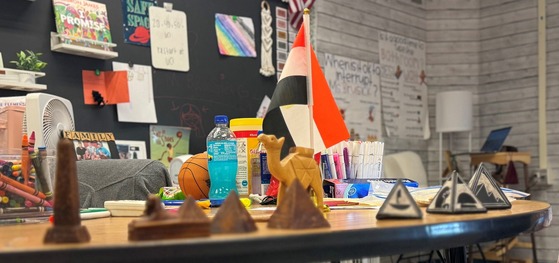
{"points": [[168, 142], [356, 89], [82, 19], [404, 91], [169, 41], [136, 21]]}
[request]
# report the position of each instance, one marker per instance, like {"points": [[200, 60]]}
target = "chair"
{"points": [[405, 164]]}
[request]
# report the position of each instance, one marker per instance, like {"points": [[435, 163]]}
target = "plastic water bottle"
{"points": [[222, 161]]}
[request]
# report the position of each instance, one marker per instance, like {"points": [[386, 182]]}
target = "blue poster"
{"points": [[136, 21]]}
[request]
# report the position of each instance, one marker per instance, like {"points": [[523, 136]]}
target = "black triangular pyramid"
{"points": [[399, 204], [455, 197], [232, 217], [487, 190], [297, 211]]}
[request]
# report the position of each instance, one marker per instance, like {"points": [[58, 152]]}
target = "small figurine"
{"points": [[298, 164], [158, 223], [67, 222]]}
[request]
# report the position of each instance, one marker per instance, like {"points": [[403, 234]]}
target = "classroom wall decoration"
{"points": [[141, 107], [215, 84], [136, 21], [82, 19], [356, 88], [235, 35], [169, 41], [404, 91], [167, 142]]}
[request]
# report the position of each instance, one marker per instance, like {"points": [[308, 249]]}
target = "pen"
{"points": [[13, 221], [347, 162]]}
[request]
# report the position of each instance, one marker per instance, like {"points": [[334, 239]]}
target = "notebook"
{"points": [[495, 140]]}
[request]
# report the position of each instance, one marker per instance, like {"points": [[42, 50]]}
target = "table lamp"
{"points": [[453, 114]]}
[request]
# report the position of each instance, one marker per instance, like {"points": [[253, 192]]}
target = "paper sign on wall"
{"points": [[136, 21], [111, 85], [169, 43], [141, 107]]}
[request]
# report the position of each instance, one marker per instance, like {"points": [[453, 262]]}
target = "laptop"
{"points": [[495, 140]]}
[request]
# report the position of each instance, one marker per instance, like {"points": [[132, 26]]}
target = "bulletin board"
{"points": [[214, 84]]}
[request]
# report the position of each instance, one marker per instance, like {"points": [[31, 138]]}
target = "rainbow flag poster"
{"points": [[235, 35]]}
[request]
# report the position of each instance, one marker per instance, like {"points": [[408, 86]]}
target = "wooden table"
{"points": [[354, 234]]}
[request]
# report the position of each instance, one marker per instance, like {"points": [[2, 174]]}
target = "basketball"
{"points": [[194, 179]]}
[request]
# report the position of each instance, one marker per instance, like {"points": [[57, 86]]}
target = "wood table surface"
{"points": [[353, 234]]}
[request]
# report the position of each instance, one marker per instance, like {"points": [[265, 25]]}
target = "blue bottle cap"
{"points": [[259, 132], [221, 119]]}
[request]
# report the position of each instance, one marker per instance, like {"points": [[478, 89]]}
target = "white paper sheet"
{"points": [[141, 107]]}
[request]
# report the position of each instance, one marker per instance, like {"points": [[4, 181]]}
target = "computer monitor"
{"points": [[495, 140]]}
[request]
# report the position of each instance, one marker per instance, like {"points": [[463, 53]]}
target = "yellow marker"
{"points": [[5, 199]]}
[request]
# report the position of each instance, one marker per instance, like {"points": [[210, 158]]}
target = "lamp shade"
{"points": [[454, 111]]}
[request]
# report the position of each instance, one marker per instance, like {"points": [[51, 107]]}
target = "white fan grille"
{"points": [[56, 118]]}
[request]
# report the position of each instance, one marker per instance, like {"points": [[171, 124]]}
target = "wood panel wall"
{"points": [[486, 46]]}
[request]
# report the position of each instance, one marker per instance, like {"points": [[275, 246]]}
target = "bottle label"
{"points": [[243, 168], [222, 150]]}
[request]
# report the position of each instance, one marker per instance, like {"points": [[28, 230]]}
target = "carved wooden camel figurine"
{"points": [[299, 163]]}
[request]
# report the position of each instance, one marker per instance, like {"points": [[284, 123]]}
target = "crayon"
{"points": [[45, 168], [31, 147], [21, 186], [30, 197], [25, 159], [45, 187]]}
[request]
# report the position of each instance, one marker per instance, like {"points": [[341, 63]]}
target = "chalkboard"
{"points": [[215, 84]]}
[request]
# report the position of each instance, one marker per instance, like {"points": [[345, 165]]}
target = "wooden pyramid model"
{"points": [[455, 197], [487, 190], [157, 223], [399, 204], [232, 217], [297, 211]]}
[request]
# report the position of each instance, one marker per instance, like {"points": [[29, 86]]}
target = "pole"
{"points": [[310, 102]]}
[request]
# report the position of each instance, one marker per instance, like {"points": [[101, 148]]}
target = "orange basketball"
{"points": [[194, 179]]}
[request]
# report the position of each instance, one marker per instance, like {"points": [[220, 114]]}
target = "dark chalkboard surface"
{"points": [[214, 85]]}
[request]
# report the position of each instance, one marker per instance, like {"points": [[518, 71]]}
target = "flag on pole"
{"points": [[288, 113], [296, 8]]}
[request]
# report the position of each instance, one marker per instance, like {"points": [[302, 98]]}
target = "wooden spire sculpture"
{"points": [[157, 223], [297, 211], [232, 217], [67, 223]]}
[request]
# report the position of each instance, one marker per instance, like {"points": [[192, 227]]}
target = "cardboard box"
{"points": [[356, 188]]}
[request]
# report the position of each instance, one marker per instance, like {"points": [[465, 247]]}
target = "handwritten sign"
{"points": [[169, 44], [355, 86], [404, 91]]}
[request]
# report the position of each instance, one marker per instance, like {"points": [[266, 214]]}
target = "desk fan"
{"points": [[47, 115]]}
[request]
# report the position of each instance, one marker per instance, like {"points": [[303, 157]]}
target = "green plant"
{"points": [[29, 61]]}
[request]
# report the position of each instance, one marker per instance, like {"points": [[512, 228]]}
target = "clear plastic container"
{"points": [[222, 161]]}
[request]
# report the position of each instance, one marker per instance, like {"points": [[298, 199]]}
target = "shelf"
{"points": [[13, 82], [59, 46]]}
